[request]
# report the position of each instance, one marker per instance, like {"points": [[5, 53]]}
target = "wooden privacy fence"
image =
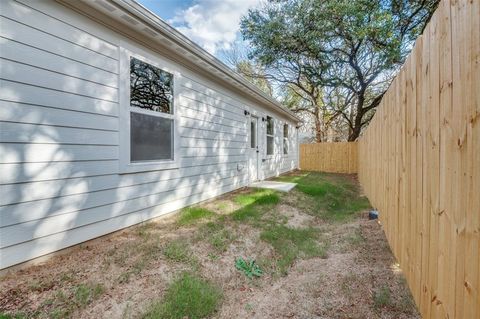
{"points": [[329, 157], [419, 164]]}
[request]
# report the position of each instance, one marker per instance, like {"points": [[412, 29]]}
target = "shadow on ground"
{"points": [[319, 256]]}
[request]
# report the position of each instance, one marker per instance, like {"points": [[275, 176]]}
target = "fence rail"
{"points": [[329, 157], [419, 164]]}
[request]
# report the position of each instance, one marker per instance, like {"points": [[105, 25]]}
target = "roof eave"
{"points": [[140, 12]]}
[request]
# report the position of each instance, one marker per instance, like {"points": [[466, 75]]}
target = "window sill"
{"points": [[148, 167]]}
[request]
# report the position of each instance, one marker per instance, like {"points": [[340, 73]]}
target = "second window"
{"points": [[270, 135]]}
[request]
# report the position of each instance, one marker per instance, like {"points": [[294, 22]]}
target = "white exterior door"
{"points": [[253, 150]]}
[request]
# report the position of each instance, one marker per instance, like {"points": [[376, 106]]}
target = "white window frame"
{"points": [[285, 140], [269, 135], [125, 164]]}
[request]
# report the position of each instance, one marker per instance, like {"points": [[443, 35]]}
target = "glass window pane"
{"points": [[285, 138], [151, 138], [269, 125], [269, 145], [150, 87], [253, 134]]}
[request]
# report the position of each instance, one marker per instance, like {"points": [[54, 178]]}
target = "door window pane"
{"points": [[253, 134], [151, 138]]}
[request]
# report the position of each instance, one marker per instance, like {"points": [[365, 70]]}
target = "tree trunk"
{"points": [[357, 126], [318, 131], [318, 127], [355, 134]]}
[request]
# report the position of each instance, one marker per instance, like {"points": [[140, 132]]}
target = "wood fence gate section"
{"points": [[419, 164], [329, 157]]}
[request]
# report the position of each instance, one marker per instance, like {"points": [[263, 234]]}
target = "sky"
{"points": [[213, 24]]}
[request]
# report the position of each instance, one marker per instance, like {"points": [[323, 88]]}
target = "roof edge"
{"points": [[140, 12]]}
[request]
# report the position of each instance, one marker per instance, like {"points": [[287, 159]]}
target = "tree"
{"points": [[340, 55], [254, 73], [236, 57]]}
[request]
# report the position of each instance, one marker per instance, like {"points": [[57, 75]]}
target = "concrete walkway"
{"points": [[278, 186]]}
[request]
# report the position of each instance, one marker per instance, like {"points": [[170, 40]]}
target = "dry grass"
{"points": [[318, 253]]}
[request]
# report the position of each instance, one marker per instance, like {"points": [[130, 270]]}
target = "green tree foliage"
{"points": [[337, 55], [254, 73]]}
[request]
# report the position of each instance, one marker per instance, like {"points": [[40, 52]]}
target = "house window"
{"points": [[151, 113], [285, 138], [270, 135]]}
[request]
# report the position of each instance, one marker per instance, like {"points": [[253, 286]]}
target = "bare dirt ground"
{"points": [[120, 275]]}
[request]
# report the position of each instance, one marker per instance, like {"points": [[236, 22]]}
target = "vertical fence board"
{"points": [[448, 167], [470, 283], [417, 176], [329, 157], [433, 163], [424, 80], [419, 163]]}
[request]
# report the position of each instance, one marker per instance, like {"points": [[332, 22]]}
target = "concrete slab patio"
{"points": [[278, 186]]}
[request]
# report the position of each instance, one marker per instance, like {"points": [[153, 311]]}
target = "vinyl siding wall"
{"points": [[59, 144]]}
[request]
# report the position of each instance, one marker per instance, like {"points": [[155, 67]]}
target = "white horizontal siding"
{"points": [[212, 96], [34, 248], [192, 123], [32, 133], [23, 12], [281, 164], [39, 39], [29, 55], [23, 73], [215, 142], [187, 103], [59, 135], [186, 132], [42, 171], [188, 161], [33, 114], [211, 151], [164, 190], [32, 172], [34, 191], [38, 96], [203, 100], [213, 118], [32, 153]]}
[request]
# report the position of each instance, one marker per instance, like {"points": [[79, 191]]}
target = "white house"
{"points": [[110, 117]]}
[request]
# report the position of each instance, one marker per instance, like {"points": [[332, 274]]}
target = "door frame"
{"points": [[254, 153]]}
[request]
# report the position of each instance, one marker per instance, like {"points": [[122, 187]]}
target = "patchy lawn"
{"points": [[309, 253]]}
